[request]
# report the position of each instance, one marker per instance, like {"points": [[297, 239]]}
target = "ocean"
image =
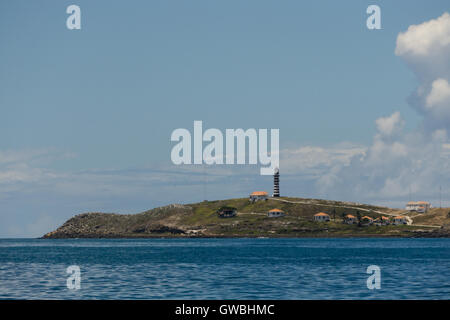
{"points": [[224, 268]]}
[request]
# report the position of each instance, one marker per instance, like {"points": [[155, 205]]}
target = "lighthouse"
{"points": [[276, 183]]}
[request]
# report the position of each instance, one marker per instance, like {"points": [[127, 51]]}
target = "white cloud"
{"points": [[311, 157], [438, 100], [387, 126], [425, 39], [386, 145], [426, 49], [396, 164]]}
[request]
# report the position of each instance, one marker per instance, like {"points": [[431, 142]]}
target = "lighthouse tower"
{"points": [[276, 183]]}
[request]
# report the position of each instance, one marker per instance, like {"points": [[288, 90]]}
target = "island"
{"points": [[243, 218]]}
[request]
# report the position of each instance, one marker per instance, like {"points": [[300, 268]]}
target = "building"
{"points": [[418, 206], [274, 213], [381, 221], [399, 220], [321, 217], [276, 183], [349, 219], [367, 221], [227, 212], [259, 195]]}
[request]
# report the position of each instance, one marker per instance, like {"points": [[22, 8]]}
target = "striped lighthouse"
{"points": [[276, 183]]}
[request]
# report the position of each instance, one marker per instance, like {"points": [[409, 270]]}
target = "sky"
{"points": [[86, 115]]}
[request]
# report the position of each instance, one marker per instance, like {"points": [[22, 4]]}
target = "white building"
{"points": [[275, 213], [258, 195], [418, 206], [399, 220], [321, 217]]}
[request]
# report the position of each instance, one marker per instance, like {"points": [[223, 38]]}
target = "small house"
{"points": [[274, 213], [381, 221], [321, 217], [367, 221], [350, 219], [258, 196], [399, 220], [227, 212]]}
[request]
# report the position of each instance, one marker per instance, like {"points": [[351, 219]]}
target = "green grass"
{"points": [[251, 221]]}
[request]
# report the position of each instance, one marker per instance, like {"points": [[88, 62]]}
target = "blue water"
{"points": [[225, 268]]}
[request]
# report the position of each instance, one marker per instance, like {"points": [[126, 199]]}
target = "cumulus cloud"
{"points": [[387, 126], [396, 165], [426, 49], [438, 100], [425, 39]]}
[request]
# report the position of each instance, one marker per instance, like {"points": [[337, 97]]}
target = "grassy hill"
{"points": [[201, 220]]}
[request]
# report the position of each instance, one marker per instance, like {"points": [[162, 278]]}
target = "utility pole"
{"points": [[440, 197]]}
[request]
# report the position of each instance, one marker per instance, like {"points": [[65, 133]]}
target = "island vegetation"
{"points": [[251, 220]]}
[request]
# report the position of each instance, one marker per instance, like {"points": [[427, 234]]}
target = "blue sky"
{"points": [[101, 102]]}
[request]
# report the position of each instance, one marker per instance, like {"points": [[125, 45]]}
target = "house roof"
{"points": [[418, 202], [259, 193], [399, 217], [384, 218], [366, 217], [321, 214], [276, 210], [349, 216]]}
